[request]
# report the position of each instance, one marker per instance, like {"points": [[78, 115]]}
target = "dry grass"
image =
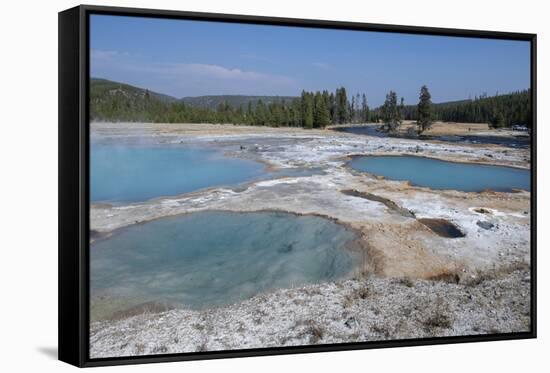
{"points": [[381, 330], [449, 273], [141, 309], [406, 281], [361, 293], [312, 331], [448, 128], [315, 332], [449, 276], [140, 349], [497, 272], [439, 318], [202, 347]]}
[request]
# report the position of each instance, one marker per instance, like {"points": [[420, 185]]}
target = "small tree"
{"points": [[365, 110], [424, 110], [497, 120], [352, 109], [391, 112]]}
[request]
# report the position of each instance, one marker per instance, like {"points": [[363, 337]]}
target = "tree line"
{"points": [[313, 110], [310, 110], [499, 111]]}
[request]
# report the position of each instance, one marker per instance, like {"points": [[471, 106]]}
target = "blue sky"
{"points": [[193, 58]]}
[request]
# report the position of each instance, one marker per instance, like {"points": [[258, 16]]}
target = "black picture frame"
{"points": [[74, 183]]}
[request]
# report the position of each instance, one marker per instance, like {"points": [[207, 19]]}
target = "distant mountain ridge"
{"points": [[235, 101], [103, 87]]}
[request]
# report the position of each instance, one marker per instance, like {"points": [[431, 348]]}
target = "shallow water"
{"points": [[437, 174], [138, 172], [508, 141], [215, 258]]}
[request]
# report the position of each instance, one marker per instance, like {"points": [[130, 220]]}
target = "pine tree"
{"points": [[401, 111], [424, 110], [238, 118], [321, 114], [275, 114], [326, 98], [249, 114], [332, 108], [296, 113], [365, 115], [352, 108], [260, 117], [308, 110], [342, 109], [391, 112], [358, 110], [497, 120]]}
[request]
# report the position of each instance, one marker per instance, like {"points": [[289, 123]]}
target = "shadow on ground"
{"points": [[50, 352]]}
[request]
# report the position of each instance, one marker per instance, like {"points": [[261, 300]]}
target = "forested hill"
{"points": [[103, 88], [234, 101], [501, 110], [116, 101]]}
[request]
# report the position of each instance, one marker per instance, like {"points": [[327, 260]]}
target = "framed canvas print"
{"points": [[238, 186]]}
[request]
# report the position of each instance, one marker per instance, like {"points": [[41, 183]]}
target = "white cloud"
{"points": [[217, 72], [321, 65], [104, 55], [188, 79]]}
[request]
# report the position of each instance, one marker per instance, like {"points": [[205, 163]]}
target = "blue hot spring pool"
{"points": [[138, 172], [214, 258], [437, 174]]}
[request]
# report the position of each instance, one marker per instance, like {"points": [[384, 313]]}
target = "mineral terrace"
{"points": [[412, 282]]}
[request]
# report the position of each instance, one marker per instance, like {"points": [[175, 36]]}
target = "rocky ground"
{"points": [[414, 283], [356, 310]]}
